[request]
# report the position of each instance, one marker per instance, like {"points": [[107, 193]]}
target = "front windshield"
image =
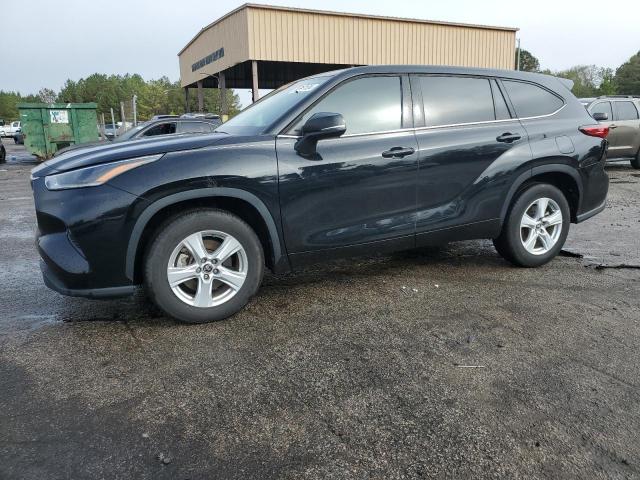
{"points": [[260, 115]]}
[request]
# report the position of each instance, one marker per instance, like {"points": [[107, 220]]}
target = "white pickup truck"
{"points": [[9, 129]]}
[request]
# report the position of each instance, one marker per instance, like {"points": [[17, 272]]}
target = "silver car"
{"points": [[621, 113]]}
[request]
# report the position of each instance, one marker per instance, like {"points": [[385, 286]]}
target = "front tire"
{"points": [[536, 226], [203, 266]]}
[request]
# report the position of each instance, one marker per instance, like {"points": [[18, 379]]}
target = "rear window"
{"points": [[626, 111], [530, 100], [455, 100]]}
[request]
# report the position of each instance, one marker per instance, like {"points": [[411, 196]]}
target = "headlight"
{"points": [[95, 175]]}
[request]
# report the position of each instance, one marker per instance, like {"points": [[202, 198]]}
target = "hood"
{"points": [[80, 145], [112, 152]]}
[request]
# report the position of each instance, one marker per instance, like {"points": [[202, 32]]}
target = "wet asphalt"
{"points": [[444, 363]]}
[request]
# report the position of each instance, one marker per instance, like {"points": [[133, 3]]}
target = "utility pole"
{"points": [[124, 120], [255, 93], [102, 127], [134, 101], [113, 124], [518, 67], [222, 85]]}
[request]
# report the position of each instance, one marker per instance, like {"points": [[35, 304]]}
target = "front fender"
{"points": [[212, 192]]}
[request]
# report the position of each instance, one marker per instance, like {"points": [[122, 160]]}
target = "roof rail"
{"points": [[619, 96]]}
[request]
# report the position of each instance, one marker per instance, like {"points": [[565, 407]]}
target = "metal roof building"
{"points": [[262, 46]]}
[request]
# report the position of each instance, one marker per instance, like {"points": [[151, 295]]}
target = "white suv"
{"points": [[9, 130]]}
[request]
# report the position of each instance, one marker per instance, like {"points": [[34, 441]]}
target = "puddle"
{"points": [[27, 323]]}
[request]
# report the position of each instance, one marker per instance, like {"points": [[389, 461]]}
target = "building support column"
{"points": [[255, 93], [223, 95], [186, 99], [200, 97]]}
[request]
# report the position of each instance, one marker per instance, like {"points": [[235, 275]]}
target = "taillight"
{"points": [[595, 131]]}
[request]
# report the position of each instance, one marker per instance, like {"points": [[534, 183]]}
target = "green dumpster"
{"points": [[49, 127]]}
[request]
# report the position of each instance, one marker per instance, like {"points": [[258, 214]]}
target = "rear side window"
{"points": [[194, 127], [626, 111], [602, 107], [161, 129], [454, 100], [530, 100], [368, 105]]}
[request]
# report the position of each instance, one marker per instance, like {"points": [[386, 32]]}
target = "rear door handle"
{"points": [[508, 137], [398, 152]]}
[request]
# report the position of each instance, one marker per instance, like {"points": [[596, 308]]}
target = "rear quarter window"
{"points": [[626, 111], [530, 100]]}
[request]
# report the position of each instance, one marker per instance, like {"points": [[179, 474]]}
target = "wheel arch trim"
{"points": [[539, 170], [210, 192]]}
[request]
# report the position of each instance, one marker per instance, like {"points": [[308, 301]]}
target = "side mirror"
{"points": [[601, 116], [319, 126]]}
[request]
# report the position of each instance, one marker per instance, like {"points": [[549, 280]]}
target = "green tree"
{"points": [[627, 78], [528, 63], [9, 104], [159, 96], [589, 80], [608, 84], [46, 95]]}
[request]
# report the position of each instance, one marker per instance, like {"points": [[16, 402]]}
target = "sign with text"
{"points": [[59, 116], [208, 59]]}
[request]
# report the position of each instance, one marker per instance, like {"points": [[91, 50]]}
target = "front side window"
{"points": [[626, 111], [161, 129], [602, 107], [368, 105], [530, 100], [455, 100]]}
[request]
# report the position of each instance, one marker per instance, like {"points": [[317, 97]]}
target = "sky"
{"points": [[47, 41]]}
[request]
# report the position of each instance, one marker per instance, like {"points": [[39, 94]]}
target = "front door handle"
{"points": [[508, 137], [398, 152]]}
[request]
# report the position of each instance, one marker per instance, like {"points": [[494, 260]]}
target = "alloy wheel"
{"points": [[207, 268], [541, 226]]}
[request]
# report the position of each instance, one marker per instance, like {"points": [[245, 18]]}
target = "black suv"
{"points": [[362, 160]]}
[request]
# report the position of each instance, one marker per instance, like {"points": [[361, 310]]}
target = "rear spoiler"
{"points": [[568, 84]]}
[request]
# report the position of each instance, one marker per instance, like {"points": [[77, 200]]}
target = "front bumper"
{"points": [[57, 285], [82, 239]]}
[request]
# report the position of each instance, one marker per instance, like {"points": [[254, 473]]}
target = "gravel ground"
{"points": [[443, 363]]}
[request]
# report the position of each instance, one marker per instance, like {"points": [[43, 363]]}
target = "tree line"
{"points": [[591, 80], [163, 96], [154, 97]]}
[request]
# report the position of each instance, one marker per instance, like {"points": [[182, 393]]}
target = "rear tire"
{"points": [[214, 260], [536, 226]]}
